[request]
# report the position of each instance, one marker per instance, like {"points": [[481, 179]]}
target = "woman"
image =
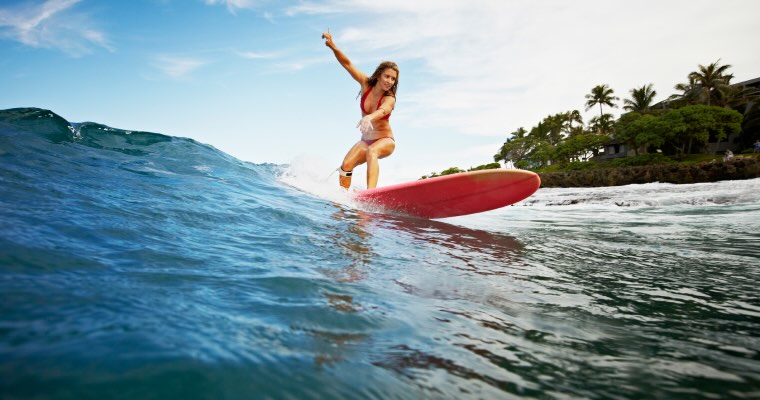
{"points": [[378, 97]]}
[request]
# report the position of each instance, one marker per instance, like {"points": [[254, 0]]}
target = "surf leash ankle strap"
{"points": [[345, 173]]}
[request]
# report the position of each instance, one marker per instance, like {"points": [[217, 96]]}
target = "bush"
{"points": [[644, 159], [485, 166], [580, 165]]}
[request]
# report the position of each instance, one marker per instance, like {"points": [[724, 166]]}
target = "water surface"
{"points": [[139, 265]]}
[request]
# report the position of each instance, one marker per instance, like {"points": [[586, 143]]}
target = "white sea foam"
{"points": [[651, 195], [315, 177]]}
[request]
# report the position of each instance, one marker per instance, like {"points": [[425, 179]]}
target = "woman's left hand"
{"points": [[365, 125], [327, 36]]}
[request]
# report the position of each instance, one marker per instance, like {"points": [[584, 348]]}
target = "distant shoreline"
{"points": [[713, 171]]}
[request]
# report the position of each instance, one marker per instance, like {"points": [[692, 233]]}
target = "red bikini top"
{"points": [[364, 97]]}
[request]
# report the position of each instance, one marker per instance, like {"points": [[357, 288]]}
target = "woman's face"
{"points": [[388, 78]]}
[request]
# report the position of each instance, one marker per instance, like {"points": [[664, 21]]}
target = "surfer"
{"points": [[378, 98]]}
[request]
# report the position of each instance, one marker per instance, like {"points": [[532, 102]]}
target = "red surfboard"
{"points": [[453, 195]]}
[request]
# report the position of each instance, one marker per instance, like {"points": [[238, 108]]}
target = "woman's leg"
{"points": [[380, 149], [356, 155]]}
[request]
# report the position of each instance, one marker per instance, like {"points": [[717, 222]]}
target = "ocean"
{"points": [[137, 265]]}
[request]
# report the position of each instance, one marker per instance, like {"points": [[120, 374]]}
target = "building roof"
{"points": [[752, 82]]}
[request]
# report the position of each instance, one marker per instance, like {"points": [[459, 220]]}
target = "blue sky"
{"points": [[253, 78]]}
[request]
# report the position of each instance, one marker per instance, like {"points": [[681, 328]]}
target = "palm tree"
{"points": [[603, 123], [573, 116], [602, 95], [691, 93], [641, 99], [735, 96], [711, 78], [513, 149], [519, 133]]}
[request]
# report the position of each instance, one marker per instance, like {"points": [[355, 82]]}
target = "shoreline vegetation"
{"points": [[741, 167], [681, 139]]}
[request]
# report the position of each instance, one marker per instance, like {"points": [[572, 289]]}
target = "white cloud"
{"points": [[279, 61], [52, 24], [313, 8], [489, 67], [234, 5], [299, 64], [253, 55], [178, 67]]}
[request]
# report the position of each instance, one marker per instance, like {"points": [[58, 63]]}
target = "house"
{"points": [[755, 83], [615, 149], [729, 143]]}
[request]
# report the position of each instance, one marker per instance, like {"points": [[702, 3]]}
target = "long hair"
{"points": [[372, 81]]}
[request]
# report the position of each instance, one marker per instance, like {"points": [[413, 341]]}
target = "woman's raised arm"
{"points": [[355, 73]]}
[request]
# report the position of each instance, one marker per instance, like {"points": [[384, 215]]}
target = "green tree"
{"points": [[694, 124], [451, 170], [580, 146], [603, 124], [456, 170], [570, 119], [448, 171], [750, 124], [738, 96], [690, 94], [560, 126], [640, 131], [515, 148], [641, 99], [494, 165], [710, 80], [543, 153], [538, 146], [601, 95], [548, 130], [622, 132]]}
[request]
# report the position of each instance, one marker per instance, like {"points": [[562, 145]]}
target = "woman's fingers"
{"points": [[365, 125]]}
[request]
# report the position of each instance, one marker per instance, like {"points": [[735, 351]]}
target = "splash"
{"points": [[315, 177], [651, 195]]}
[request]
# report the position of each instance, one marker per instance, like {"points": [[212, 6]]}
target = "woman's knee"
{"points": [[355, 156], [375, 153], [347, 166]]}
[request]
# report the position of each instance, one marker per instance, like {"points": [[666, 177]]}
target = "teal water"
{"points": [[139, 265]]}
